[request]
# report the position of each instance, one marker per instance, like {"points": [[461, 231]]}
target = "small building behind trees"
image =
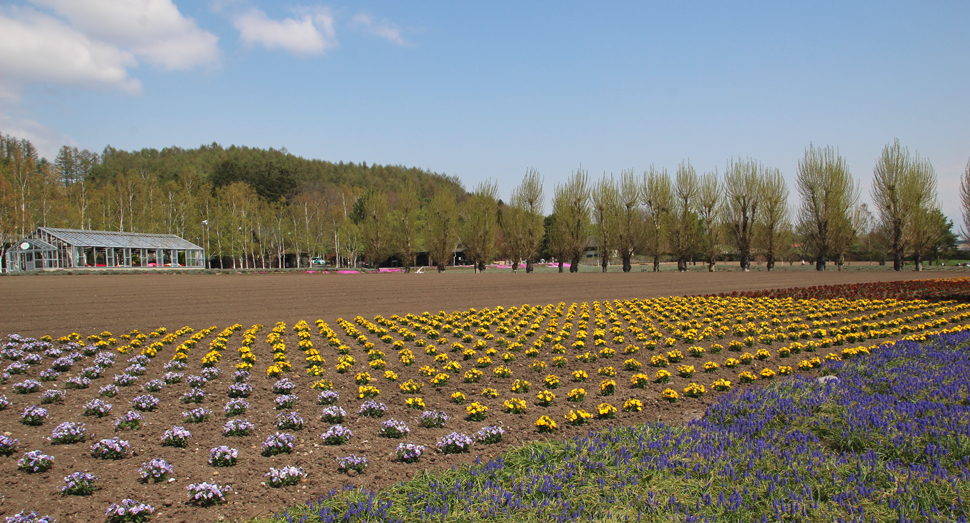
{"points": [[50, 248]]}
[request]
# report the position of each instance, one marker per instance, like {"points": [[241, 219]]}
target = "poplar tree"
{"points": [[442, 227], [658, 199], [480, 225], [605, 208], [827, 197]]}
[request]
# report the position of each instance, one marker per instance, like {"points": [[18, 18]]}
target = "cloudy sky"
{"points": [[486, 90]]}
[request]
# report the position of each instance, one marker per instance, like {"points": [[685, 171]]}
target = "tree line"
{"points": [[259, 208]]}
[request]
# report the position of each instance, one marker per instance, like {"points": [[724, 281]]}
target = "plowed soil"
{"points": [[56, 305]]}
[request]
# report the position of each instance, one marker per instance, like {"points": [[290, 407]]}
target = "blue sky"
{"points": [[488, 90]]}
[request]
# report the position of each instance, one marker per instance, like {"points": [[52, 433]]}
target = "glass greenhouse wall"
{"points": [[50, 248]]}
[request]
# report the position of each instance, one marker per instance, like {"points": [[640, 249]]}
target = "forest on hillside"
{"points": [[267, 208]]}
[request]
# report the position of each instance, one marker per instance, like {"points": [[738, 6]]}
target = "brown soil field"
{"points": [[60, 304], [57, 305]]}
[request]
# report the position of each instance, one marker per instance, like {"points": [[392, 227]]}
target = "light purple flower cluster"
{"points": [[48, 375], [17, 368], [289, 421], [111, 448], [236, 406], [172, 377], [4, 402], [124, 380], [27, 386], [372, 409], [33, 415], [32, 359], [196, 382], [285, 476], [223, 456], [393, 428], [11, 353], [199, 415], [156, 469], [237, 427], [51, 396], [8, 445], [283, 386], [105, 360], [455, 443], [333, 414], [129, 420], [176, 437], [68, 432], [129, 511], [62, 364], [91, 373], [135, 369], [140, 359], [79, 484], [87, 350], [490, 434], [433, 419], [279, 443], [153, 385], [145, 403], [285, 401], [239, 390], [336, 435], [240, 376], [328, 397], [352, 462], [29, 517], [175, 365], [193, 396], [35, 461], [409, 452], [77, 382], [108, 391], [211, 373], [206, 494], [97, 407]]}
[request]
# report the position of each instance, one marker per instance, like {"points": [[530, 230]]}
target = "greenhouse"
{"points": [[49, 248]]}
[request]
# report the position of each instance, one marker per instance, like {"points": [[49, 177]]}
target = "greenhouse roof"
{"points": [[132, 240]]}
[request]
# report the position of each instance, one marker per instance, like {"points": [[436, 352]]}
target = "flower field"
{"points": [[235, 420]]}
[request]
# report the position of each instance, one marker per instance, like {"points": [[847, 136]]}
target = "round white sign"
{"points": [[24, 246]]}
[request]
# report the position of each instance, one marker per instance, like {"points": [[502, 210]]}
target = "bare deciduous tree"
{"points": [[572, 218], [923, 229], [528, 228]]}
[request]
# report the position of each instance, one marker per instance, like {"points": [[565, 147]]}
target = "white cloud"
{"points": [[152, 29], [384, 29], [35, 47], [311, 33], [14, 122]]}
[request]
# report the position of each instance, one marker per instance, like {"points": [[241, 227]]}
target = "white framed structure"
{"points": [[50, 248]]}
